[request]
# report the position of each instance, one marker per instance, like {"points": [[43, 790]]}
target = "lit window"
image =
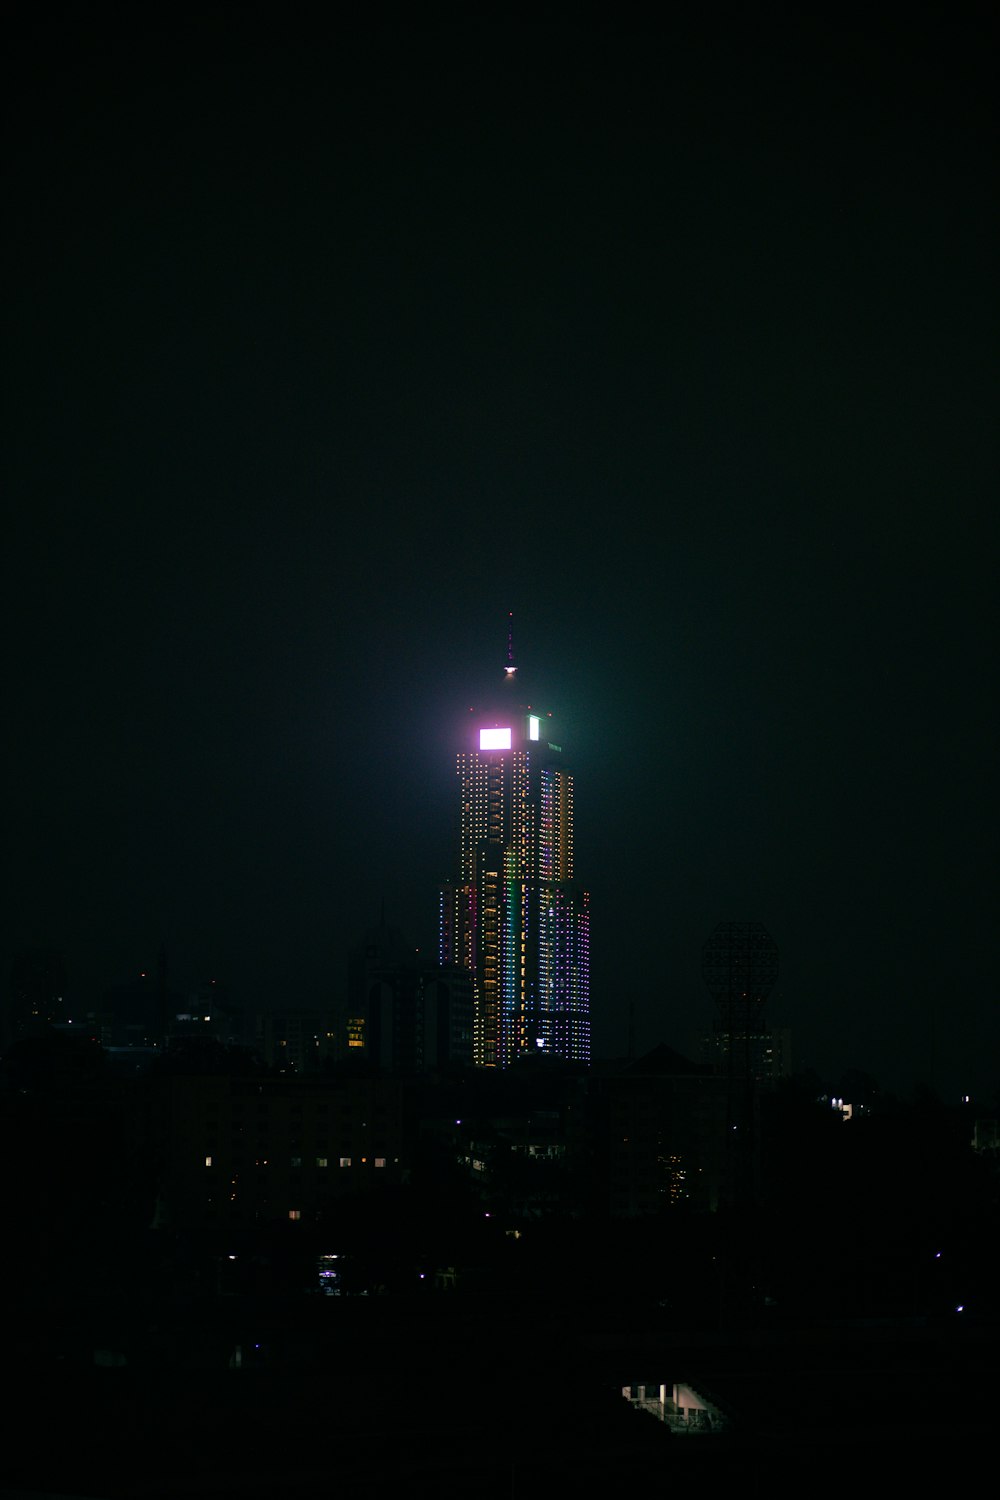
{"points": [[380, 1161], [295, 1213], [208, 1161], [322, 1161], [345, 1161], [296, 1161]]}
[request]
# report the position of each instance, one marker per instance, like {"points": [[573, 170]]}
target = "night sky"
{"points": [[327, 348]]}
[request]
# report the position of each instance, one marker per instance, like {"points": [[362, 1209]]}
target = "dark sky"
{"points": [[327, 347]]}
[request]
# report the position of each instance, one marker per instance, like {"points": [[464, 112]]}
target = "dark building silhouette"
{"points": [[765, 1052], [138, 1014], [37, 995], [299, 1039], [659, 1130], [405, 1014], [240, 1150]]}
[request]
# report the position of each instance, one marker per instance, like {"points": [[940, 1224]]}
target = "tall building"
{"points": [[405, 1014], [514, 916]]}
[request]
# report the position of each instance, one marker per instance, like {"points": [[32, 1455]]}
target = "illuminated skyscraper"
{"points": [[515, 916]]}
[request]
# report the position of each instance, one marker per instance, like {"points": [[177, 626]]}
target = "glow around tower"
{"points": [[514, 915]]}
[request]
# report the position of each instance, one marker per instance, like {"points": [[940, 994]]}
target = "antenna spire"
{"points": [[510, 668]]}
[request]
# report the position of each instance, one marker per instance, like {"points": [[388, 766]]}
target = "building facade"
{"points": [[514, 916], [405, 1014], [244, 1150]]}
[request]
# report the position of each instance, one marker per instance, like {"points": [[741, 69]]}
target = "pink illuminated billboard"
{"points": [[494, 739]]}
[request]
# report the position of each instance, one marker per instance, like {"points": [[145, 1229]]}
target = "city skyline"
{"points": [[326, 349], [336, 340]]}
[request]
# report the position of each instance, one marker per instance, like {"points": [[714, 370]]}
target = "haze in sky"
{"points": [[330, 343]]}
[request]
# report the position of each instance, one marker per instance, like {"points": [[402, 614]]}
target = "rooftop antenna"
{"points": [[510, 668]]}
